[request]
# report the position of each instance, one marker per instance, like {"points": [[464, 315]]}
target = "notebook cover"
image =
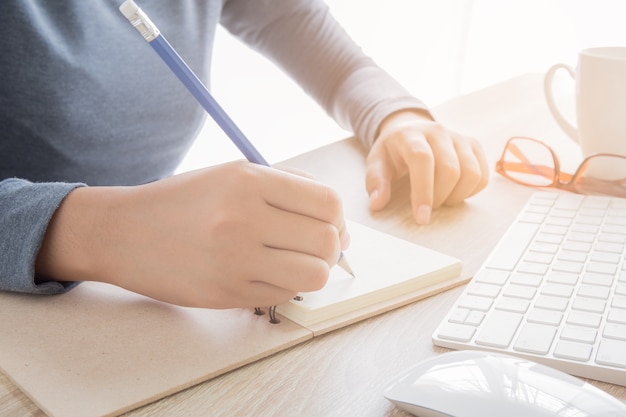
{"points": [[100, 350]]}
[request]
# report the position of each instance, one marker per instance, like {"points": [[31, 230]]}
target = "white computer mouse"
{"points": [[481, 384]]}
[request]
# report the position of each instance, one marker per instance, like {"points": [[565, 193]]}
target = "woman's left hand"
{"points": [[444, 167]]}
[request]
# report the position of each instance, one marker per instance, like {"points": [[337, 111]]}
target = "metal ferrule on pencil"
{"points": [[144, 25]]}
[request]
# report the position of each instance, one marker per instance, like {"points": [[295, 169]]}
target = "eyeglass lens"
{"points": [[529, 162]]}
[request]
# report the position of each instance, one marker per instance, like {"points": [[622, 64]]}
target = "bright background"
{"points": [[438, 49]]}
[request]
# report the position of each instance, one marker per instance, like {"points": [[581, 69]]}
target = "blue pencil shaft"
{"points": [[163, 48], [182, 71]]}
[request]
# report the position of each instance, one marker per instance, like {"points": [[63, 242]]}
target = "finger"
{"points": [[471, 172], [294, 171], [481, 157], [378, 176], [447, 166], [291, 271], [254, 294], [297, 233], [419, 159], [303, 196]]}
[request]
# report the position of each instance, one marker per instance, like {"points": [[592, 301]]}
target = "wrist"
{"points": [[402, 117], [70, 250]]}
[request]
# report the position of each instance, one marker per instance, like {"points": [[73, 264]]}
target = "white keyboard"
{"points": [[553, 290]]}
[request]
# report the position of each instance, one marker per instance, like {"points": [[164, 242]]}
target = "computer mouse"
{"points": [[483, 384]]}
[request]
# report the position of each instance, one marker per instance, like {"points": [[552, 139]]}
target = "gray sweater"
{"points": [[84, 101]]}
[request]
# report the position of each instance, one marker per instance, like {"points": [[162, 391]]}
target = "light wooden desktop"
{"points": [[345, 372]]}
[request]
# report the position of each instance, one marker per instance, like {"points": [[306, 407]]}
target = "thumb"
{"points": [[378, 176]]}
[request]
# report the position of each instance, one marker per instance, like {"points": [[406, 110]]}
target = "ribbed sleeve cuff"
{"points": [[25, 210]]}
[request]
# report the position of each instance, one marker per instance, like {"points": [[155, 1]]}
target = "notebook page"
{"points": [[385, 267]]}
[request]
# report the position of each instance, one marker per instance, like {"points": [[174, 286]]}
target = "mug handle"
{"points": [[567, 127]]}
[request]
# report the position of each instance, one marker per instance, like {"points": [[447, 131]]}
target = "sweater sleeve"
{"points": [[303, 38], [25, 211]]}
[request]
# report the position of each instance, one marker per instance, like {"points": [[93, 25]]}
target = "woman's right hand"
{"points": [[233, 235]]}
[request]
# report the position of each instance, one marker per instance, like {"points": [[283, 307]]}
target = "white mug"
{"points": [[600, 79]]}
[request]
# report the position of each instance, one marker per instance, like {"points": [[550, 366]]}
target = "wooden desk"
{"points": [[344, 373]]}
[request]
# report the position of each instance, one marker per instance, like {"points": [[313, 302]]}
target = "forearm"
{"points": [[306, 42]]}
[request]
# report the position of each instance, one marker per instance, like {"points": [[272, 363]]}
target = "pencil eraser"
{"points": [[129, 8]]}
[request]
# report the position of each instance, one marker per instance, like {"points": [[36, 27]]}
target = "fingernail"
{"points": [[422, 214], [374, 195]]}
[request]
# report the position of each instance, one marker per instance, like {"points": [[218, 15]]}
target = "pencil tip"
{"points": [[343, 263]]}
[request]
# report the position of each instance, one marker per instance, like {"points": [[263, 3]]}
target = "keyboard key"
{"points": [[568, 201], [540, 247], [602, 268], [551, 303], [613, 239], [532, 218], [492, 276], [562, 278], [589, 220], [619, 301], [611, 353], [572, 350], [535, 338], [485, 290], [605, 246], [579, 334], [581, 237], [473, 302], [498, 329], [558, 221], [577, 246], [513, 305], [617, 315], [459, 315], [554, 230], [588, 304], [594, 278], [519, 291], [532, 280], [614, 331], [457, 332], [606, 257], [584, 319], [549, 238], [542, 316], [539, 258], [567, 255], [557, 212], [567, 266], [621, 221], [595, 291], [533, 268], [510, 249], [584, 228], [475, 318], [558, 290]]}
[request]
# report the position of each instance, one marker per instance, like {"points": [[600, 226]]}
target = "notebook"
{"points": [[100, 350], [385, 267], [553, 290]]}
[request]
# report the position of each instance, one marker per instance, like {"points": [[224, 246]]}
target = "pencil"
{"points": [[177, 65]]}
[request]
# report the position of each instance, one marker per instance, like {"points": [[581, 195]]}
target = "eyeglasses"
{"points": [[601, 173]]}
